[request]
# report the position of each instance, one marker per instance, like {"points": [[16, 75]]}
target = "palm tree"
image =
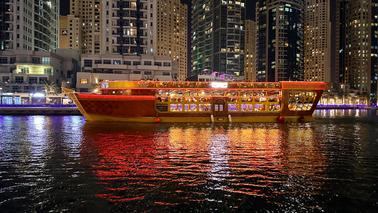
{"points": [[51, 88]]}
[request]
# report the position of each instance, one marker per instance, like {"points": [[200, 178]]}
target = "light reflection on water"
{"points": [[65, 164]]}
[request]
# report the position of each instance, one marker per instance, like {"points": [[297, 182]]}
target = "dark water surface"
{"points": [[63, 164]]}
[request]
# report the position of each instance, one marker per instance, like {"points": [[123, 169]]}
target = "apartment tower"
{"points": [[115, 26], [279, 45], [317, 41], [218, 37], [362, 47], [250, 51], [29, 25], [171, 23]]}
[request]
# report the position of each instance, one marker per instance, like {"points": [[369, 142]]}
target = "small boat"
{"points": [[178, 101]]}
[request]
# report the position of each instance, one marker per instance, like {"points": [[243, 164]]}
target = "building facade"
{"points": [[318, 32], [97, 68], [116, 30], [250, 51], [361, 59], [171, 33], [26, 71], [279, 45], [115, 26], [29, 25], [218, 37], [70, 32]]}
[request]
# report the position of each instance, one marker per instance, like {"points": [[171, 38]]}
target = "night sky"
{"points": [[250, 7]]}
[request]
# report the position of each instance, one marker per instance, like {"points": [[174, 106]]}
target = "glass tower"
{"points": [[218, 37], [279, 47]]}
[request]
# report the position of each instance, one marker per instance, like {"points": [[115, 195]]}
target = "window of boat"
{"points": [[301, 100], [260, 96], [175, 108], [190, 107], [204, 107], [246, 107], [246, 96], [232, 107], [274, 107], [259, 107]]}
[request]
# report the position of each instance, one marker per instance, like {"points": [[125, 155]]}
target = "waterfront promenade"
{"points": [[41, 109]]}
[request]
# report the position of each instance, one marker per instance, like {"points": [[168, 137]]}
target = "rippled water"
{"points": [[65, 164]]}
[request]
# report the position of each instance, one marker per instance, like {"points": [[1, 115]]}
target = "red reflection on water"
{"points": [[133, 162], [122, 156]]}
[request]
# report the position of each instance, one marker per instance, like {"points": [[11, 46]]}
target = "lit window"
{"points": [[83, 81]]}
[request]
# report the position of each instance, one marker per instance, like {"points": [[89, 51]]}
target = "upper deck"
{"points": [[284, 85]]}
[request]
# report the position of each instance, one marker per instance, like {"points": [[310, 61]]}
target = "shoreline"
{"points": [[39, 110]]}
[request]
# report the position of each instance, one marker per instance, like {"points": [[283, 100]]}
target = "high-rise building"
{"points": [[70, 32], [3, 24], [250, 51], [134, 27], [341, 22], [218, 37], [279, 45], [115, 26], [121, 40], [361, 69], [317, 41], [171, 33], [29, 25]]}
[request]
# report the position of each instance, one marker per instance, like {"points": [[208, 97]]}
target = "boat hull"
{"points": [[142, 109]]}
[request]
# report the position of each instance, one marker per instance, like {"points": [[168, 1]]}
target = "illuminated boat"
{"points": [[163, 101]]}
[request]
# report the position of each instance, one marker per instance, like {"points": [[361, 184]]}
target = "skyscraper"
{"points": [[361, 69], [317, 41], [341, 22], [279, 45], [250, 51], [29, 25], [218, 37], [171, 33]]}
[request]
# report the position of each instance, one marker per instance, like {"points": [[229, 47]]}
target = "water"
{"points": [[63, 164]]}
